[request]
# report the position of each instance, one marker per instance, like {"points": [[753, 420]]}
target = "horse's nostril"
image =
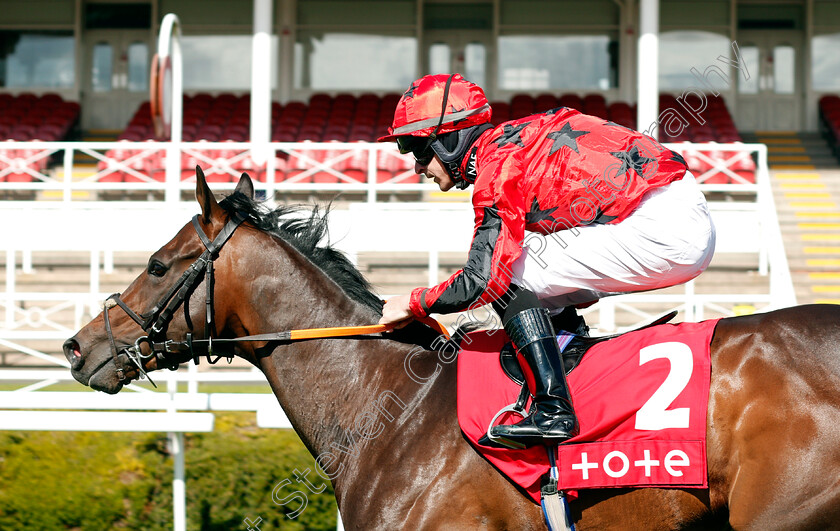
{"points": [[72, 349]]}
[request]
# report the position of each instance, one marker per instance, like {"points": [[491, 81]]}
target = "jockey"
{"points": [[569, 208]]}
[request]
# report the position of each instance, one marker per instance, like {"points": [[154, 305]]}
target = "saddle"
{"points": [[576, 348], [572, 352], [629, 435]]}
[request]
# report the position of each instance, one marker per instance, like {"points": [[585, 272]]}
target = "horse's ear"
{"points": [[245, 186], [210, 209]]}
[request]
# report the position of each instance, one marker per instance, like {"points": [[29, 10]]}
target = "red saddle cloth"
{"points": [[640, 399]]}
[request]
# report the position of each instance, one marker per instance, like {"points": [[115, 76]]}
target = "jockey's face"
{"points": [[435, 170]]}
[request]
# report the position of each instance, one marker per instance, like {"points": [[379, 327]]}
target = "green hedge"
{"points": [[98, 481]]}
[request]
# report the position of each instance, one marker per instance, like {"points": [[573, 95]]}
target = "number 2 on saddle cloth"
{"points": [[640, 397]]}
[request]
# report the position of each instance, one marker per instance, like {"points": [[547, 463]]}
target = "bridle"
{"points": [[170, 353]]}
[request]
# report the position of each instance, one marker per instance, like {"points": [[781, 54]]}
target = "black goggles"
{"points": [[421, 148]]}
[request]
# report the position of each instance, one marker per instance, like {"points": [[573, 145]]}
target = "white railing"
{"points": [[114, 168], [744, 226], [99, 229]]}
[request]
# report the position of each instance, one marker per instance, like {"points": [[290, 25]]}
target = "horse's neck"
{"points": [[349, 400], [339, 394]]}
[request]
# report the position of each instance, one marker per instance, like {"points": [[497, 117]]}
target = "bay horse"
{"points": [[392, 446]]}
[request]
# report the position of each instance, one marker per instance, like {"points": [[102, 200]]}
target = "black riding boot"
{"points": [[569, 321], [554, 419]]}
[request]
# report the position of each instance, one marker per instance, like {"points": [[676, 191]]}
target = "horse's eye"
{"points": [[156, 268]]}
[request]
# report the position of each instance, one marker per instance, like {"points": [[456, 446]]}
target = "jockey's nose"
{"points": [[420, 168]]}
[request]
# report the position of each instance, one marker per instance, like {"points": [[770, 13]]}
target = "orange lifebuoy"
{"points": [[155, 97]]}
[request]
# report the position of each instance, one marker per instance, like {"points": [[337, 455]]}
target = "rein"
{"points": [[170, 353]]}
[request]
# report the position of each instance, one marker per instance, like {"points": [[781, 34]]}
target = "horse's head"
{"points": [[153, 324]]}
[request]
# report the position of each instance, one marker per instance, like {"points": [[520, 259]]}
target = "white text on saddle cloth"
{"points": [[632, 462], [651, 417]]}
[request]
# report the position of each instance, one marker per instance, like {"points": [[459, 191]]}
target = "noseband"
{"points": [[170, 353]]}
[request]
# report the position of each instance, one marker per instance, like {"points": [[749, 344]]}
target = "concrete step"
{"points": [[808, 204], [793, 150]]}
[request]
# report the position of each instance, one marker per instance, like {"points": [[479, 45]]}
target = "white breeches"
{"points": [[669, 239]]}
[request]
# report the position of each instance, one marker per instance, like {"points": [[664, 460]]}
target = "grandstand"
{"points": [[339, 119], [747, 90], [79, 132]]}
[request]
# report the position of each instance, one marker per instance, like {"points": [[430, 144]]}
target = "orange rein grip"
{"points": [[338, 331], [342, 331]]}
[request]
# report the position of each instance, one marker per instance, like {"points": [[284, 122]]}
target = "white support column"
{"points": [[68, 175], [179, 503], [261, 81], [690, 302], [169, 50], [108, 261], [179, 490], [286, 67], [26, 262], [94, 274], [627, 51], [648, 67], [10, 288], [373, 152], [434, 266]]}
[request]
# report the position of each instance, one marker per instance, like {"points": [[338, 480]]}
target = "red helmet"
{"points": [[421, 112]]}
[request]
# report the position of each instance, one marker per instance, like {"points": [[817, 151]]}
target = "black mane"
{"points": [[304, 234]]}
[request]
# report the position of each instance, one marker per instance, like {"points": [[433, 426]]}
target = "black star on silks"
{"points": [[555, 110], [510, 135], [677, 157], [631, 159], [566, 136], [410, 92], [618, 125], [536, 215]]}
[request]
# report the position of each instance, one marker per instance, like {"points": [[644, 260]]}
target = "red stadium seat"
{"points": [[521, 105], [545, 102], [201, 100], [501, 112], [573, 101]]}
